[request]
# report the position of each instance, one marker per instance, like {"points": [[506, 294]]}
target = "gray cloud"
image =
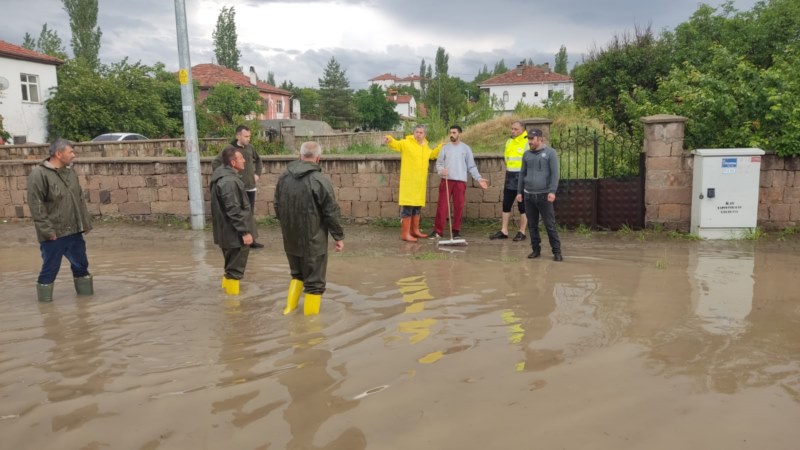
{"points": [[145, 30]]}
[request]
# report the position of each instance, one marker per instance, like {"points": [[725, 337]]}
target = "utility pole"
{"points": [[189, 119]]}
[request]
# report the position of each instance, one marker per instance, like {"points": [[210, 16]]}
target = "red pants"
{"points": [[457, 191]]}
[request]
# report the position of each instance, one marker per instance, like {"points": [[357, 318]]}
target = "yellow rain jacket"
{"points": [[414, 159]]}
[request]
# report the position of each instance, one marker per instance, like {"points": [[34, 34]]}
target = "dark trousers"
{"points": [[457, 190], [235, 261], [537, 205], [73, 247], [408, 211], [311, 271], [251, 196]]}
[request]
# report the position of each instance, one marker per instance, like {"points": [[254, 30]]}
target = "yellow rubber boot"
{"points": [[293, 297], [231, 286], [224, 282], [311, 304]]}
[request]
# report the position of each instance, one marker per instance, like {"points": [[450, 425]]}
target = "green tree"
{"points": [[500, 67], [271, 78], [227, 101], [374, 111], [85, 32], [122, 97], [561, 61], [29, 42], [442, 62], [225, 37], [447, 95], [335, 96], [309, 103], [422, 81]]}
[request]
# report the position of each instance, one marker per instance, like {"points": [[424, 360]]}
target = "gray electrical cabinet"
{"points": [[725, 192]]}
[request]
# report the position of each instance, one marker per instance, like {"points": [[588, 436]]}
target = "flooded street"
{"points": [[660, 344]]}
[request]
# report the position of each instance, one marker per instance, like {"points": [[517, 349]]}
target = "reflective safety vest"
{"points": [[515, 148]]}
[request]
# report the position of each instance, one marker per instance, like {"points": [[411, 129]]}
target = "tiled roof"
{"points": [[399, 98], [209, 75], [411, 77], [526, 75], [16, 52], [384, 77]]}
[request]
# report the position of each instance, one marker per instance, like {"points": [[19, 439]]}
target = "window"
{"points": [[524, 95], [536, 93], [505, 96], [30, 87], [280, 106], [549, 93]]}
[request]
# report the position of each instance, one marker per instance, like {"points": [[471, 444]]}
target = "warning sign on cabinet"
{"points": [[729, 165]]}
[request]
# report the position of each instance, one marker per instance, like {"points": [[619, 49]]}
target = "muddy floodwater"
{"points": [[652, 343]]}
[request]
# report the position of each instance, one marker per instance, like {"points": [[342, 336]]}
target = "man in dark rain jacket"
{"points": [[231, 218], [251, 172], [61, 219], [307, 209]]}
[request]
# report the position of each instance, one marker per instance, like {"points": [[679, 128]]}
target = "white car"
{"points": [[113, 137]]}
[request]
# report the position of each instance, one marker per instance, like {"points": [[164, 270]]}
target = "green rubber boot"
{"points": [[84, 285], [44, 292]]}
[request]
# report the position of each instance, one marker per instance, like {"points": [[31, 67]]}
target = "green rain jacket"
{"points": [[56, 201], [306, 207], [230, 209], [253, 165]]}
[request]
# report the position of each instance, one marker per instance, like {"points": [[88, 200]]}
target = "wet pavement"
{"points": [[627, 344]]}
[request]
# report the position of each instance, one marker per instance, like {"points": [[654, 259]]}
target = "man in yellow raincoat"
{"points": [[415, 154]]}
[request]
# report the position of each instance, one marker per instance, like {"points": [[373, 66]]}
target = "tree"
{"points": [[122, 97], [561, 61], [422, 81], [374, 111], [48, 43], [309, 103], [29, 42], [335, 96], [227, 101], [271, 78], [85, 32], [224, 37], [500, 67], [442, 59]]}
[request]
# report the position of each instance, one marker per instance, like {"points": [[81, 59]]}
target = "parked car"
{"points": [[112, 137]]}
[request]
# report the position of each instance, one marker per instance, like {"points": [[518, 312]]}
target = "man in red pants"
{"points": [[455, 161]]}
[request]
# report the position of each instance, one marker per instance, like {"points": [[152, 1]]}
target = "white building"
{"points": [[404, 105], [389, 80], [26, 78], [530, 85]]}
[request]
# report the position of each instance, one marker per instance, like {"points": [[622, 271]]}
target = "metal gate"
{"points": [[602, 179]]}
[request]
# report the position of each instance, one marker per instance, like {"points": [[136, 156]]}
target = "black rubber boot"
{"points": [[537, 252]]}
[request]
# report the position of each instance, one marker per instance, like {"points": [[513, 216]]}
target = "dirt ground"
{"points": [[633, 342]]}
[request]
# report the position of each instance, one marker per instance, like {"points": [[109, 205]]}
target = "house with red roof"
{"points": [[531, 85], [276, 101], [389, 80], [26, 80], [404, 105]]}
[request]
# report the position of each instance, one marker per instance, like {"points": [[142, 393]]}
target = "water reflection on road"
{"points": [[627, 344]]}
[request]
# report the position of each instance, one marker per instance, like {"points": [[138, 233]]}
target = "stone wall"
{"points": [[128, 149], [668, 182], [366, 186]]}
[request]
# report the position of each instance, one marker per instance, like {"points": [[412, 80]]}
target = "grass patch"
{"points": [[382, 222], [625, 230], [583, 230], [268, 221], [788, 231], [754, 234], [684, 236]]}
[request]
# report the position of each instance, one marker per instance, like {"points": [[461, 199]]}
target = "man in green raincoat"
{"points": [[415, 155], [307, 210]]}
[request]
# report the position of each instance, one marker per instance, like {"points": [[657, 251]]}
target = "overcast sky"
{"points": [[295, 39]]}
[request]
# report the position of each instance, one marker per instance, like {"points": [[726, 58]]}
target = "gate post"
{"points": [[540, 123], [668, 175]]}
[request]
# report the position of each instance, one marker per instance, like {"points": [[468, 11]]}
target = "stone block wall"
{"points": [[366, 187]]}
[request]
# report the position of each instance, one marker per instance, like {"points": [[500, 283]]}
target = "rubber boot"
{"points": [[293, 296], [224, 282], [415, 227], [44, 292], [311, 304], [84, 285], [231, 286], [405, 230]]}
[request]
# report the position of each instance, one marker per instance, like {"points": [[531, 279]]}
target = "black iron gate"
{"points": [[602, 179]]}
